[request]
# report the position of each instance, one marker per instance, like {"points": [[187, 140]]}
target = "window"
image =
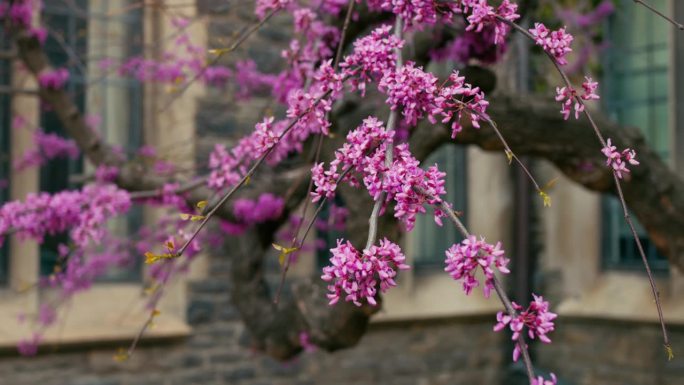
{"points": [[636, 87], [429, 241], [81, 35]]}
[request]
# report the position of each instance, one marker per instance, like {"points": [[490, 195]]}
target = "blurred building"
{"points": [[578, 253]]}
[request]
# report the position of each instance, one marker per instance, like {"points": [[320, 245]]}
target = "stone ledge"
{"points": [[624, 296]]}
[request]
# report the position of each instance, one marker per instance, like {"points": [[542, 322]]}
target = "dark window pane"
{"points": [[636, 94]]}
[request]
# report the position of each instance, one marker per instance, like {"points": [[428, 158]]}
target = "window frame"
{"points": [[107, 312], [618, 252]]}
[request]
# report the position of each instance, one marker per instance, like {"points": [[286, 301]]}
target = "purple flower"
{"points": [[618, 160], [537, 319], [557, 43], [466, 258], [53, 79], [356, 275]]}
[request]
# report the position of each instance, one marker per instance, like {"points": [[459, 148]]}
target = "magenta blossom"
{"points": [[466, 258], [536, 318], [541, 381], [556, 43], [618, 160], [53, 79], [356, 275]]}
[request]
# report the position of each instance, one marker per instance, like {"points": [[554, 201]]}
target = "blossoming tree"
{"points": [[339, 48]]}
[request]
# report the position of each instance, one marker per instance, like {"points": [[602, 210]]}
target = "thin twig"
{"points": [[618, 186], [509, 151], [391, 122], [147, 194], [220, 54], [248, 175], [340, 46], [319, 146], [657, 12], [498, 287]]}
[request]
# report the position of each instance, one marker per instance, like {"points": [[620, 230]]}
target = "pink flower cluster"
{"points": [[456, 97], [356, 275], [556, 43], [265, 6], [53, 79], [416, 94], [84, 213], [47, 147], [463, 260], [567, 96], [541, 381], [536, 318], [482, 14], [266, 207], [618, 160], [472, 45], [418, 13], [364, 152], [19, 12], [307, 112], [373, 55], [106, 174]]}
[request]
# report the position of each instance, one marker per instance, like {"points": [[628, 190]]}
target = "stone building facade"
{"points": [[428, 333]]}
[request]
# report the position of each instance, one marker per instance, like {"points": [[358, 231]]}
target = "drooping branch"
{"points": [[535, 127]]}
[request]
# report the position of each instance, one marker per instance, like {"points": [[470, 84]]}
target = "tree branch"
{"points": [[535, 127]]}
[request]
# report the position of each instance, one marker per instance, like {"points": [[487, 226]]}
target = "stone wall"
{"points": [[218, 352], [594, 352]]}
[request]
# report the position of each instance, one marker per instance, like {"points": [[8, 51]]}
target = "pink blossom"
{"points": [[481, 14], [556, 43], [618, 160], [265, 138], [410, 90], [53, 79], [568, 97], [83, 213], [356, 275], [46, 315], [39, 33], [266, 207], [364, 153], [590, 87], [305, 342], [106, 174], [29, 347], [536, 318], [265, 6], [47, 147], [541, 381], [373, 55], [465, 259]]}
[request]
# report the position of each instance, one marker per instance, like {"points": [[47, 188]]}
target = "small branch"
{"points": [[148, 194], [651, 281], [340, 46], [672, 21], [391, 122], [498, 287], [248, 175], [221, 53], [509, 151], [319, 146], [618, 186]]}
